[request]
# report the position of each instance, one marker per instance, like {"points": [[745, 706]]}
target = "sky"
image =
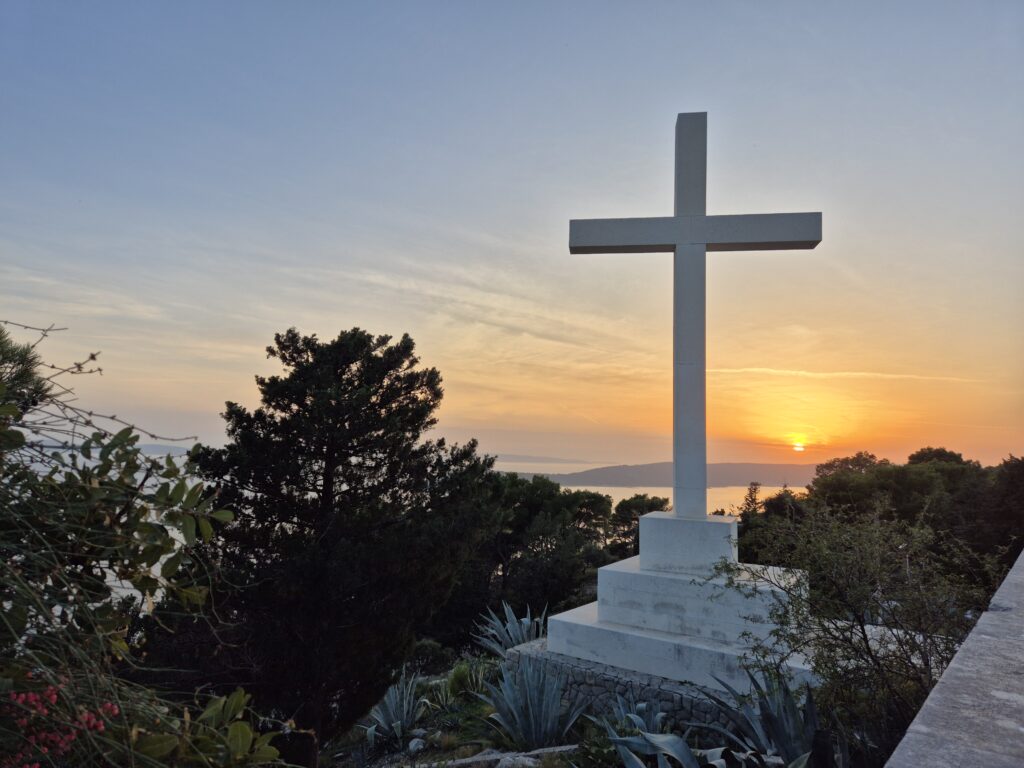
{"points": [[180, 181]]}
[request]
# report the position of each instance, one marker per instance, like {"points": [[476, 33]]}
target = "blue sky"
{"points": [[178, 182]]}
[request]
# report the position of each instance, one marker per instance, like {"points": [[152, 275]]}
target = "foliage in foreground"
{"points": [[878, 608], [768, 728], [775, 723], [527, 703], [92, 532], [665, 746]]}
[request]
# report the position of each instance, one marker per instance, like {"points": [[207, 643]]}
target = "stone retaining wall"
{"points": [[599, 683]]}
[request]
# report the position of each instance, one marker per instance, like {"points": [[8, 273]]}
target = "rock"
{"points": [[419, 733], [517, 761], [563, 750], [416, 745]]}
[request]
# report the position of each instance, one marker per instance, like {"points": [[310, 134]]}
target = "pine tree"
{"points": [[350, 526]]}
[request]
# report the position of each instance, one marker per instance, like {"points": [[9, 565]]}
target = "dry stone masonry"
{"points": [[599, 683]]}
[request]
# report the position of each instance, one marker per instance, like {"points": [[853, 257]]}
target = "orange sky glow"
{"points": [[175, 199]]}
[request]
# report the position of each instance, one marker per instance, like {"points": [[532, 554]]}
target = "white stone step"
{"points": [[579, 633], [681, 603]]}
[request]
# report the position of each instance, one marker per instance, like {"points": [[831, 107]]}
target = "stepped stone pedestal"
{"points": [[663, 613]]}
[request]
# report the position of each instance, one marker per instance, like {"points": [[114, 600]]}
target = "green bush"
{"points": [[429, 657], [469, 676], [92, 533], [878, 607]]}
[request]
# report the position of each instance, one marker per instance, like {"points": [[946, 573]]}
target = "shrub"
{"points": [[92, 533], [429, 657], [596, 749], [878, 607], [469, 676], [440, 696]]}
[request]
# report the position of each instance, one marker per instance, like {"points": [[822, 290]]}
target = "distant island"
{"points": [[656, 475], [660, 474]]}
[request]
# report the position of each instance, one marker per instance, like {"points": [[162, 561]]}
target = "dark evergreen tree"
{"points": [[937, 488], [923, 455], [540, 551], [350, 526], [625, 523], [860, 462]]}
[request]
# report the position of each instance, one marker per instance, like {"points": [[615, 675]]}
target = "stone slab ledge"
{"points": [[492, 758]]}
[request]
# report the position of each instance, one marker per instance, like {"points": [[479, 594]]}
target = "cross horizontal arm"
{"points": [[760, 232], [654, 235], [748, 232]]}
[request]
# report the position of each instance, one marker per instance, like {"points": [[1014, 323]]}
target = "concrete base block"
{"points": [[698, 660], [680, 604], [685, 545], [662, 613]]}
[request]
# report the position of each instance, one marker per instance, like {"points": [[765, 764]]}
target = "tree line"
{"points": [[890, 567], [302, 561]]}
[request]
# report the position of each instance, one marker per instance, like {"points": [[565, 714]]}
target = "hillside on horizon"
{"points": [[660, 474]]}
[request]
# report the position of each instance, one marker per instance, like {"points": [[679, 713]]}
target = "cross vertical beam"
{"points": [[689, 334], [689, 235]]}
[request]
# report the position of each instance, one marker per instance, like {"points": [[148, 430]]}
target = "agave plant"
{"points": [[470, 675], [663, 746], [527, 703], [497, 636], [628, 713], [441, 697], [774, 731], [396, 714], [775, 724]]}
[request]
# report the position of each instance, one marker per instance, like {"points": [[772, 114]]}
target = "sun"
{"points": [[798, 441]]}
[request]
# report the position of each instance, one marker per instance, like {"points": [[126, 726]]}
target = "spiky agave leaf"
{"points": [[497, 635], [659, 745], [397, 713], [776, 726], [527, 703]]}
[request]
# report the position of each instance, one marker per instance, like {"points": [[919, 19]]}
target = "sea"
{"points": [[725, 497]]}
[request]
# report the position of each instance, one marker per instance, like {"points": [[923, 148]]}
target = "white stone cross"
{"points": [[689, 235]]}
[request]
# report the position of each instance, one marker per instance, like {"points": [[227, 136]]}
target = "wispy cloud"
{"points": [[843, 374]]}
